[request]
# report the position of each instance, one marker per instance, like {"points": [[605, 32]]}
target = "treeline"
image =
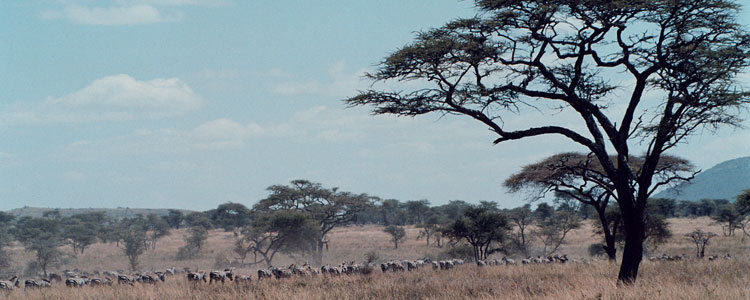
{"points": [[295, 219]]}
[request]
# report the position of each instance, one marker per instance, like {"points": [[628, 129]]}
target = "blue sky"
{"points": [[193, 103]]}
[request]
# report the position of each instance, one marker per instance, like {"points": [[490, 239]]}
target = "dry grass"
{"points": [[592, 279]]}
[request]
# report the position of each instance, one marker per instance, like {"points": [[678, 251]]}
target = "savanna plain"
{"points": [[584, 277]]}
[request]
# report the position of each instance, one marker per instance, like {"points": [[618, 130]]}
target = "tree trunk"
{"points": [[633, 252], [610, 247], [318, 255]]}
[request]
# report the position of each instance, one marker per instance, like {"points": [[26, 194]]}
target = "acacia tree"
{"points": [[559, 55], [279, 231], [522, 218], [329, 208], [397, 234], [553, 230], [482, 228], [579, 176]]}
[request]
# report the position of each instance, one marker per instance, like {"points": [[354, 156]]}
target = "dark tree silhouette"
{"points": [[560, 55]]}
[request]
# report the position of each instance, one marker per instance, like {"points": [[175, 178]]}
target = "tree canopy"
{"points": [[559, 56]]}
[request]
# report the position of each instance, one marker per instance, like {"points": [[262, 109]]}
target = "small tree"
{"points": [[481, 229], [555, 228], [43, 236], [194, 241], [134, 244], [174, 218], [522, 218], [397, 234], [728, 218], [701, 239]]}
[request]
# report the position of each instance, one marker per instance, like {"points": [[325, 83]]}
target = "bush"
{"points": [[371, 257], [597, 249]]}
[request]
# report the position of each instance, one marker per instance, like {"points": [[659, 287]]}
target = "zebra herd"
{"points": [[108, 278]]}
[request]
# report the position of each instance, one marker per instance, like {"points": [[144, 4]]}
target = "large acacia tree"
{"points": [[328, 208], [560, 55], [581, 177]]}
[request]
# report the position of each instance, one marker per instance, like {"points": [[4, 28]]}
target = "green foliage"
{"points": [[229, 216], [397, 234], [198, 219], [42, 236], [174, 218], [481, 228], [279, 231], [134, 245], [194, 242], [323, 207]]}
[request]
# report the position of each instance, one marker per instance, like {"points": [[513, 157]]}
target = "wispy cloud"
{"points": [[112, 98], [125, 12], [114, 15]]}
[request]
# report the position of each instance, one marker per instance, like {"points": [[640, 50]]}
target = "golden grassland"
{"points": [[587, 279]]}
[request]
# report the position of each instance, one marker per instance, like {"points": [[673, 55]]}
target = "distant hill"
{"points": [[726, 180], [115, 213]]}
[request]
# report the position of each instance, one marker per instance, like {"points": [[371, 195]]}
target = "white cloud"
{"points": [[112, 98], [138, 14]]}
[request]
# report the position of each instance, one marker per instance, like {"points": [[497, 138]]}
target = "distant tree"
{"points": [[52, 214], [80, 234], [553, 230], [742, 207], [484, 230], [728, 218], [397, 234], [522, 217], [417, 210], [198, 219], [5, 240], [454, 209], [43, 236], [156, 229], [328, 208], [174, 218], [701, 239], [194, 242], [392, 213], [288, 231], [229, 216], [431, 229], [663, 206], [543, 211]]}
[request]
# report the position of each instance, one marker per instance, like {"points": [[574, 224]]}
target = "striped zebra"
{"points": [[196, 276], [76, 282], [33, 283], [125, 279], [220, 276], [9, 284], [264, 274]]}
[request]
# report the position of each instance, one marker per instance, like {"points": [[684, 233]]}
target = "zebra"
{"points": [[96, 281], [279, 273], [9, 284], [196, 276], [220, 276], [264, 274], [509, 261], [125, 279], [76, 281], [33, 283]]}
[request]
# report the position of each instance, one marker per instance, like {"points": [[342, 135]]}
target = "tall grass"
{"points": [[586, 279]]}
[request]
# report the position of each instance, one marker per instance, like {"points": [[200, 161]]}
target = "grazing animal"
{"points": [[264, 274], [220, 276], [125, 279], [509, 261], [9, 284], [196, 276], [279, 273], [76, 281], [33, 283], [96, 281], [435, 265]]}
